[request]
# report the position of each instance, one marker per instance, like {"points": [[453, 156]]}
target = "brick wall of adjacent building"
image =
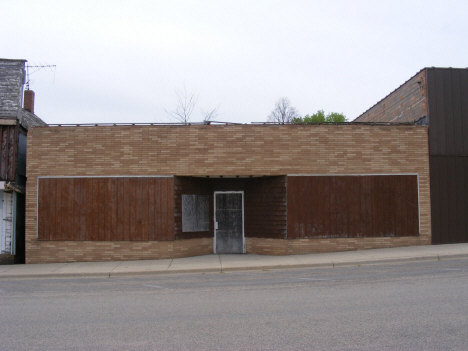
{"points": [[227, 150], [408, 103]]}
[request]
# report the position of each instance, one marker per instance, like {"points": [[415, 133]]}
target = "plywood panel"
{"points": [[151, 210], [44, 212], [104, 209], [170, 209], [356, 206]]}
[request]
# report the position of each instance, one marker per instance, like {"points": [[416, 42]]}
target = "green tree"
{"points": [[320, 117]]}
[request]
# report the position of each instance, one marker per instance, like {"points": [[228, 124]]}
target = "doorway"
{"points": [[229, 222]]}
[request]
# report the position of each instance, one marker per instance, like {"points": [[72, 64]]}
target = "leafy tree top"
{"points": [[320, 117]]}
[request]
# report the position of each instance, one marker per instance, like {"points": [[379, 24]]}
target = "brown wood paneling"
{"points": [[400, 197], [170, 209], [120, 209], [144, 205], [83, 233], [8, 152], [89, 208], [138, 211], [151, 210], [104, 209], [101, 205], [358, 206], [354, 207], [132, 202], [367, 206], [76, 216], [158, 207], [341, 206], [291, 200], [315, 210], [164, 211], [44, 216], [62, 213]]}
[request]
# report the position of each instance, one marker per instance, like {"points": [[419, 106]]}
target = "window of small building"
{"points": [[195, 213]]}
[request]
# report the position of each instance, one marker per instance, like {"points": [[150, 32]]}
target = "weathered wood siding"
{"points": [[8, 152], [106, 209], [352, 206]]}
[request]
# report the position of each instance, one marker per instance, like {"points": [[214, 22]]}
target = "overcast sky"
{"points": [[121, 61]]}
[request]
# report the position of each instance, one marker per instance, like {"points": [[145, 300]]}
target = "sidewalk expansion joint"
{"points": [[64, 265], [114, 269], [220, 263]]}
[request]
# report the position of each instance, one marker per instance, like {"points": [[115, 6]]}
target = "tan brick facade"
{"points": [[406, 104], [228, 150]]}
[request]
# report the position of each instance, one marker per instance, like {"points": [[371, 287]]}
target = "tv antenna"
{"points": [[37, 68]]}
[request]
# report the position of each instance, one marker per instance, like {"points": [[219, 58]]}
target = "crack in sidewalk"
{"points": [[114, 268], [220, 263]]}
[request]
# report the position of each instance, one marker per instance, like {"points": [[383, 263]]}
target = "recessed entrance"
{"points": [[229, 222]]}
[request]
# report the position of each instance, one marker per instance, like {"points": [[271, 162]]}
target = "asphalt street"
{"points": [[406, 306]]}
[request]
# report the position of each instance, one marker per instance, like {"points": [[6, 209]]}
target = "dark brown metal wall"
{"points": [[448, 145], [447, 90], [104, 209], [8, 152], [352, 206], [449, 199]]}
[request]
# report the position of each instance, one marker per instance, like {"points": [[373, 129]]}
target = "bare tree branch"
{"points": [[283, 112], [185, 105], [209, 116]]}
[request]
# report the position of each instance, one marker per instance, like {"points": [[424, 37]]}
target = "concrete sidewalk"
{"points": [[222, 263]]}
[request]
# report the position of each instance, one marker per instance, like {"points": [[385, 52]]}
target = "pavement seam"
{"points": [[366, 261], [114, 269], [220, 263], [170, 264], [64, 265]]}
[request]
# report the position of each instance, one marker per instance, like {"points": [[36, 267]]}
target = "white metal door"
{"points": [[229, 222]]}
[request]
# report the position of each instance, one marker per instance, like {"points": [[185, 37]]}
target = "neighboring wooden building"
{"points": [[126, 192], [437, 97], [14, 124]]}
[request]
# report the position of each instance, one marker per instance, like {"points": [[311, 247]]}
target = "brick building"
{"points": [[437, 97], [126, 192], [15, 120]]}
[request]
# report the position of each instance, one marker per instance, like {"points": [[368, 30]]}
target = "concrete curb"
{"points": [[242, 267]]}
